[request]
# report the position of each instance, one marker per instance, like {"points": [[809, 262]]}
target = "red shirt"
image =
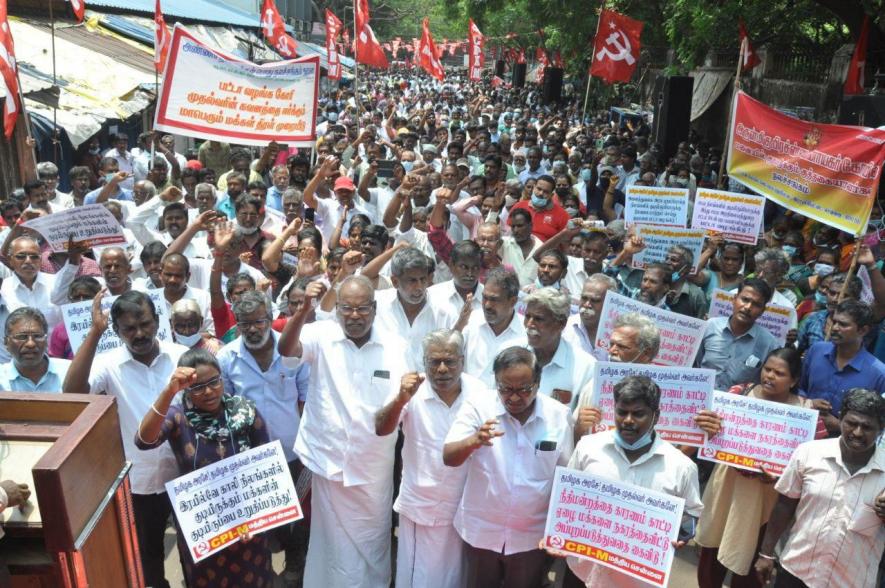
{"points": [[545, 223]]}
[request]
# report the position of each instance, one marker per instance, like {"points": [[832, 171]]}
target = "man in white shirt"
{"points": [[518, 248], [47, 172], [510, 443], [132, 374], [581, 328], [330, 210], [175, 221], [28, 286], [175, 274], [634, 454], [429, 552], [566, 370], [355, 367], [404, 309], [125, 160], [495, 327], [449, 297]]}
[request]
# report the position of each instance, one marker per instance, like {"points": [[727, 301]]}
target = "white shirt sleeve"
{"points": [[790, 482], [4, 500]]}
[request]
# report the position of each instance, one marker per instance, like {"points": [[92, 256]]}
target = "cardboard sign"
{"points": [[213, 95], [90, 225], [756, 431], [684, 392], [77, 317], [776, 319], [621, 526], [737, 217], [658, 241], [250, 492], [680, 335], [655, 205]]}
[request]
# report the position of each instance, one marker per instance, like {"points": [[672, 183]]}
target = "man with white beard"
{"points": [[581, 328]]}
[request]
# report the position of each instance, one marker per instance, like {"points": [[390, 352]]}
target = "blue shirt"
{"points": [[225, 206], [276, 392], [12, 381], [121, 194], [274, 198], [822, 379]]}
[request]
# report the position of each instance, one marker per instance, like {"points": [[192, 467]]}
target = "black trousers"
{"points": [[488, 569], [785, 579], [151, 518]]}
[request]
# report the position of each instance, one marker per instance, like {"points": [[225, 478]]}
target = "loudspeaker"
{"points": [[518, 78], [863, 111], [672, 112], [552, 90], [499, 68]]}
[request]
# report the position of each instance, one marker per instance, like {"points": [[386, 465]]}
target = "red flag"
{"points": [[428, 55], [275, 31], [855, 78], [543, 62], [749, 58], [616, 48], [162, 39], [368, 50], [333, 27], [79, 8], [477, 57], [520, 55], [346, 45], [8, 78]]}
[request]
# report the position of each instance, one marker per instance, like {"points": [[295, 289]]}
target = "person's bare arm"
{"points": [[866, 258], [374, 267], [461, 208], [289, 344], [329, 165], [152, 422], [273, 253], [366, 180], [632, 246], [267, 157], [110, 187], [608, 201], [702, 276], [335, 237], [201, 223], [457, 452], [554, 242], [780, 518], [387, 418], [174, 168], [224, 232], [77, 378], [437, 215], [397, 203]]}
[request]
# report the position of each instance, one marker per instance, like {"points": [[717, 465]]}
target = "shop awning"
{"points": [[708, 85]]}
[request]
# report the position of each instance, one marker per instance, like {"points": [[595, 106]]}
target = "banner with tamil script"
{"points": [[213, 95], [826, 172]]}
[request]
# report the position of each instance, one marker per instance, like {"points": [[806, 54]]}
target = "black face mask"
{"points": [[604, 182], [562, 192]]}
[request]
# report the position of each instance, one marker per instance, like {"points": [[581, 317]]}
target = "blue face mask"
{"points": [[643, 441], [539, 202], [408, 165], [790, 250], [586, 174], [820, 299]]}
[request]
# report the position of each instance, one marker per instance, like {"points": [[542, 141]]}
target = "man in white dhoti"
{"points": [[430, 553], [354, 368]]}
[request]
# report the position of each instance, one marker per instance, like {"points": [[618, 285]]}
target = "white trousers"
{"points": [[428, 557], [349, 535]]}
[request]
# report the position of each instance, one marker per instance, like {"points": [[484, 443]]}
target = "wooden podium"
{"points": [[78, 528]]}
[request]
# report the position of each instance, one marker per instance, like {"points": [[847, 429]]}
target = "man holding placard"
{"points": [[633, 453]]}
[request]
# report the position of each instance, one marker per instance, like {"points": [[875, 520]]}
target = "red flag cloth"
{"points": [[428, 56], [543, 62], [368, 50], [333, 27], [79, 8], [520, 55], [162, 39], [346, 45], [749, 58], [855, 78], [275, 31], [477, 57], [8, 79], [616, 48]]}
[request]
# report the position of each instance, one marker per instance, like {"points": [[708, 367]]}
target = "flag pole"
{"points": [[356, 71], [720, 181], [592, 57], [21, 97], [852, 269]]}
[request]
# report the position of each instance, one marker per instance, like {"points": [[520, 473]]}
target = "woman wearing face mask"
{"points": [[726, 260], [737, 503], [794, 245], [818, 299], [203, 427], [186, 320]]}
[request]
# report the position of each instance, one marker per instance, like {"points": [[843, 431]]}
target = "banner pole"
{"points": [[592, 57], [848, 276], [720, 181], [356, 72]]}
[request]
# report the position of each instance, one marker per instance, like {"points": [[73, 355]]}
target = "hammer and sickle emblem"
{"points": [[622, 51]]}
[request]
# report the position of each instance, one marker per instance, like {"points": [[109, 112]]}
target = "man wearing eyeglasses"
{"points": [[355, 367], [252, 367], [510, 443], [30, 370], [133, 374], [28, 286]]}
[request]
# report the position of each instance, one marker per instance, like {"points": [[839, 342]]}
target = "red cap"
{"points": [[344, 183]]}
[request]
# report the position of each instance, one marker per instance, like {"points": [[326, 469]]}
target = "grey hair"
{"points": [[250, 301], [444, 338], [186, 305], [150, 187], [205, 186], [618, 228], [408, 259], [25, 313], [513, 184], [46, 169], [609, 282], [278, 168], [553, 300], [514, 356], [772, 254], [363, 281], [647, 331], [685, 253], [292, 193], [114, 249], [24, 238]]}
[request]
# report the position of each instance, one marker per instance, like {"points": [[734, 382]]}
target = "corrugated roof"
{"points": [[196, 10]]}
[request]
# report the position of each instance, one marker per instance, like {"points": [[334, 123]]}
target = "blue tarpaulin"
{"points": [[197, 10]]}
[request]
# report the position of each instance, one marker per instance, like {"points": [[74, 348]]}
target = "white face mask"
{"points": [[188, 340], [247, 230]]}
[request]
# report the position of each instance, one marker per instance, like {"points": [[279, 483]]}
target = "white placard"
{"points": [[737, 217], [77, 317], [89, 225], [656, 205], [658, 241]]}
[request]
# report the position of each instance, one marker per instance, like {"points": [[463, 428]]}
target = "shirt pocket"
{"points": [[541, 464], [429, 467], [288, 389]]}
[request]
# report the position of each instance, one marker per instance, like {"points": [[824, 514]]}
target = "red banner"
{"points": [[333, 27], [829, 173], [428, 55], [477, 57], [616, 48], [275, 31]]}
